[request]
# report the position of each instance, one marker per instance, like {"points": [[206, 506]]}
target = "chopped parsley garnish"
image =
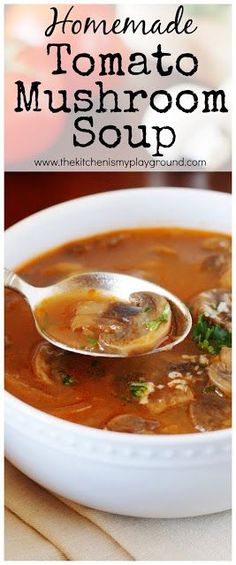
{"points": [[138, 389], [92, 341], [141, 389], [153, 325], [147, 309], [67, 380], [210, 337]]}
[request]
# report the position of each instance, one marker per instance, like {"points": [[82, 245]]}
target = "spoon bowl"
{"points": [[111, 284]]}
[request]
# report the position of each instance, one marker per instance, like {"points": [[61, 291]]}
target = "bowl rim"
{"points": [[112, 193], [103, 434]]}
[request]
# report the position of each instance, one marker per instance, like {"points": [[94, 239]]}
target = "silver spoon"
{"points": [[119, 285]]}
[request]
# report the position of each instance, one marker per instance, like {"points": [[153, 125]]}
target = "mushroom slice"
{"points": [[170, 398], [211, 413], [217, 244], [220, 373], [226, 357], [216, 262], [215, 304], [132, 424], [87, 314], [147, 301], [46, 362], [219, 263], [137, 326]]}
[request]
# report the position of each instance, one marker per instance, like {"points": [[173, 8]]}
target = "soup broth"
{"points": [[185, 390]]}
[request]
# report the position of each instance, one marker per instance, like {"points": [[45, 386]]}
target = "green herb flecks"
{"points": [[153, 325], [210, 337], [93, 341], [147, 309], [67, 380], [141, 390]]}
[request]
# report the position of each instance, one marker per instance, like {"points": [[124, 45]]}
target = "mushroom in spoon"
{"points": [[106, 314]]}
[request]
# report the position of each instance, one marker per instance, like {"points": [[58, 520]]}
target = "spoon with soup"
{"points": [[106, 314]]}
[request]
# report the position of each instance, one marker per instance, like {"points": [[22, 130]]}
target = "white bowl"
{"points": [[149, 476]]}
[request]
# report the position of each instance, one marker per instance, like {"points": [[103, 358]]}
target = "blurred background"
{"points": [[26, 193], [43, 135]]}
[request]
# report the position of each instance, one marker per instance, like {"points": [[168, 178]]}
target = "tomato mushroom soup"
{"points": [[185, 390]]}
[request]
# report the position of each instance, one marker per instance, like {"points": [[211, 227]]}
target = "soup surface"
{"points": [[184, 390]]}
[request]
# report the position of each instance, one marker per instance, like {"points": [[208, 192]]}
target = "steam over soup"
{"points": [[185, 390]]}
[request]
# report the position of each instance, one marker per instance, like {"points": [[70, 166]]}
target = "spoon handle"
{"points": [[12, 280]]}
